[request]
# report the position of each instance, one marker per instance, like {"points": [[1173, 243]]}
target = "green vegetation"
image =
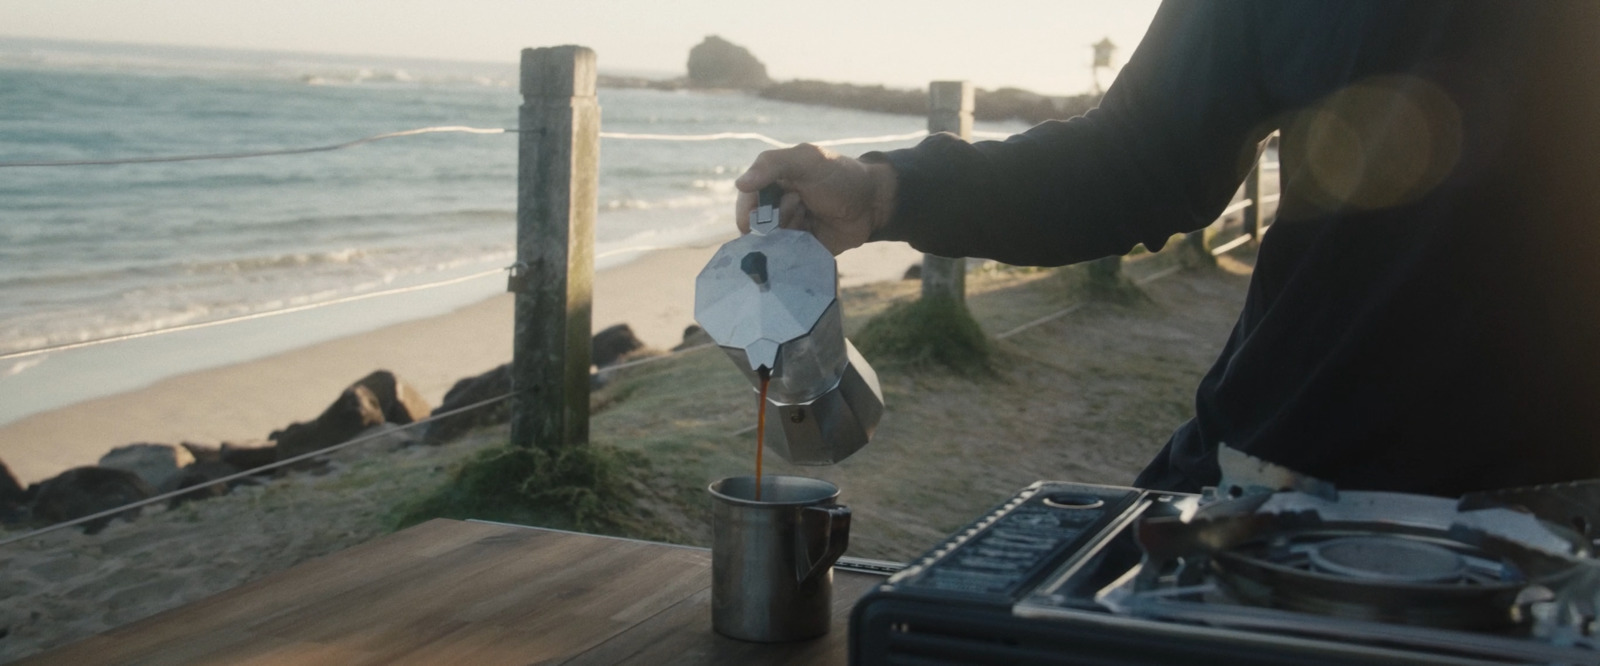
{"points": [[1101, 280], [587, 488], [927, 332]]}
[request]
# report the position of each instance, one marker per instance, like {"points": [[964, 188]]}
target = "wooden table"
{"points": [[467, 593]]}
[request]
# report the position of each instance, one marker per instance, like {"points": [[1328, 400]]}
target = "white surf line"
{"points": [[257, 315], [262, 153]]}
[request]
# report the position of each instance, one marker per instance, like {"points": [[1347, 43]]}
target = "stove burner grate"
{"points": [[1416, 579], [1387, 559]]}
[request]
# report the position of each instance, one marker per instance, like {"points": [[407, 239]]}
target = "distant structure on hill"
{"points": [[1103, 51], [719, 63]]}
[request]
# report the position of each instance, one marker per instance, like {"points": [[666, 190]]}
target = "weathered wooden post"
{"points": [[949, 110], [558, 157], [1197, 247], [1252, 193]]}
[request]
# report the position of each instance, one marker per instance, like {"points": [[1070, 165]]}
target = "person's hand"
{"points": [[840, 200]]}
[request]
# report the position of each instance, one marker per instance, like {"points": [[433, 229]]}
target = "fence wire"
{"points": [[457, 129]]}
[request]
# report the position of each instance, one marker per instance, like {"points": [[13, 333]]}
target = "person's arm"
{"points": [[1162, 154]]}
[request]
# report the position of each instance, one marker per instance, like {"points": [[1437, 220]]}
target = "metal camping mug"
{"points": [[772, 560]]}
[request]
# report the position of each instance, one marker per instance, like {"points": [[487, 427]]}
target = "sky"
{"points": [[1040, 45]]}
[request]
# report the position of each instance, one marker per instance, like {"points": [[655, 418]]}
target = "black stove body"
{"points": [[1068, 573]]}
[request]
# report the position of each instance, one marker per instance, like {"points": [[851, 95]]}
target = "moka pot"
{"points": [[770, 299]]}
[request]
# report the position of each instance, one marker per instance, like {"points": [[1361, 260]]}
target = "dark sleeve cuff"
{"points": [[918, 181]]}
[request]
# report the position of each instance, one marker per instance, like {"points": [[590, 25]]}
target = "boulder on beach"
{"points": [[246, 455], [10, 490], [157, 464], [13, 499], [400, 402], [614, 343], [693, 336], [491, 384], [83, 491], [202, 452], [199, 474], [384, 437], [356, 409]]}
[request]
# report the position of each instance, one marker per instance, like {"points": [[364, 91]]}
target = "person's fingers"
{"points": [[742, 207], [790, 210], [784, 165], [761, 173]]}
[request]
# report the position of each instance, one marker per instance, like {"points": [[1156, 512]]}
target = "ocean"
{"points": [[93, 251]]}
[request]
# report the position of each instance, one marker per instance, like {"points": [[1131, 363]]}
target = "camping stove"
{"points": [[1068, 573]]}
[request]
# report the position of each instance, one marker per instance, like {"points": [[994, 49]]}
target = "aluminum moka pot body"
{"points": [[770, 299]]}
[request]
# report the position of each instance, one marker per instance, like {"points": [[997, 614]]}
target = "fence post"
{"points": [[558, 155], [950, 106]]}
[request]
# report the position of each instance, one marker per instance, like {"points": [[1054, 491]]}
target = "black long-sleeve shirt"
{"points": [[1425, 312]]}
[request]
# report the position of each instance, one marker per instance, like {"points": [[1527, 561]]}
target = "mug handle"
{"points": [[836, 535]]}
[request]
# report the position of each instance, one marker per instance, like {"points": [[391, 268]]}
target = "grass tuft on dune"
{"points": [[924, 333]]}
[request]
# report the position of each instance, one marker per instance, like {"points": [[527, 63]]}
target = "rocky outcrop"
{"points": [[13, 499], [356, 409], [494, 383], [10, 490], [157, 464], [376, 398], [996, 105], [850, 96], [1018, 104], [384, 437], [400, 402], [693, 336], [719, 63], [614, 343], [199, 474], [248, 455], [84, 491], [202, 453]]}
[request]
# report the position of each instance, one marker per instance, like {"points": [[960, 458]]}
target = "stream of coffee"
{"points": [[761, 426]]}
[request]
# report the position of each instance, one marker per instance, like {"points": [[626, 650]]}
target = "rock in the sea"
{"points": [[248, 455], [693, 336], [356, 410], [157, 464], [719, 63], [914, 272], [199, 474], [850, 96], [491, 384], [613, 343], [84, 491], [400, 402]]}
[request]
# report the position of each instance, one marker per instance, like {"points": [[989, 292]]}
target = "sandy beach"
{"points": [[1088, 397], [654, 295]]}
